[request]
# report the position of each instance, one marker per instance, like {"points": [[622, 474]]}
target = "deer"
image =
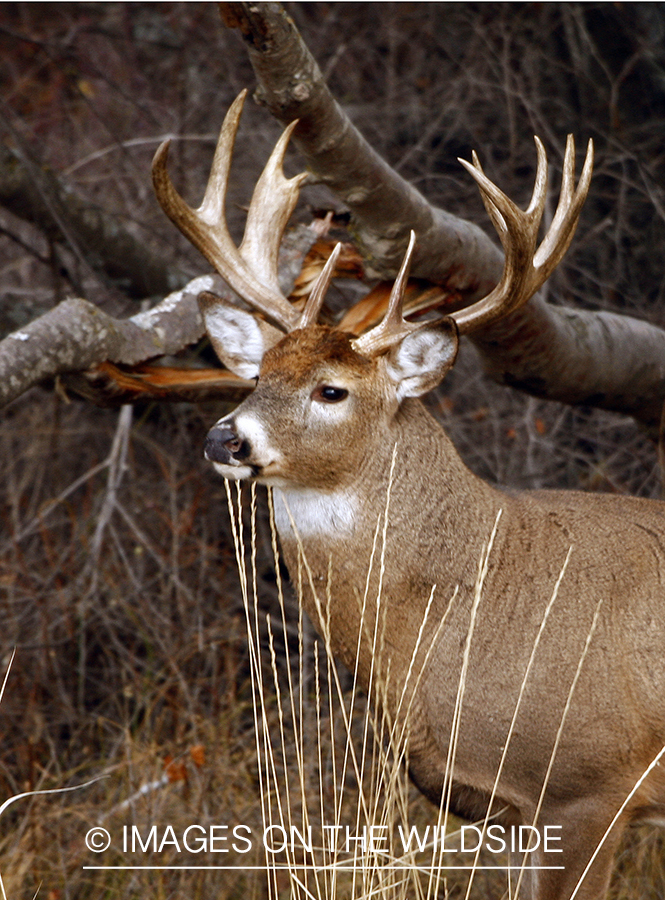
{"points": [[561, 721]]}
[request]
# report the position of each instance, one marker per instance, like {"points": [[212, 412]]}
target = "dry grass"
{"points": [[118, 582], [333, 765], [137, 668]]}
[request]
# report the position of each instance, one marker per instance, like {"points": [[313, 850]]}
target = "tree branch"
{"points": [[37, 195], [76, 335], [577, 357], [384, 207]]}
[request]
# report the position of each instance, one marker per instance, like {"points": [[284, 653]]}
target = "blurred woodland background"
{"points": [[117, 573]]}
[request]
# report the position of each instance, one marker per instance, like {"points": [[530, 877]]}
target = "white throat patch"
{"points": [[314, 513]]}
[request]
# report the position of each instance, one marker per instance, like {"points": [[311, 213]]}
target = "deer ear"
{"points": [[421, 359], [238, 338]]}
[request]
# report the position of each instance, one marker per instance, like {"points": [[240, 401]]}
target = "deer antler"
{"points": [[317, 295], [526, 268], [251, 269], [393, 327]]}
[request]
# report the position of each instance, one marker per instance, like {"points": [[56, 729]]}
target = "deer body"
{"points": [[440, 517], [547, 673]]}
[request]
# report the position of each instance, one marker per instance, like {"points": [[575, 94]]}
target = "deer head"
{"points": [[322, 395]]}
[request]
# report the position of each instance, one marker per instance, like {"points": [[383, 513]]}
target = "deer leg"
{"points": [[564, 875]]}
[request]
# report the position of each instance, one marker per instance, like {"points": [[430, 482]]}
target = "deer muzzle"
{"points": [[223, 445], [239, 447]]}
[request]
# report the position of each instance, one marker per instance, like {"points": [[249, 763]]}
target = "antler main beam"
{"points": [[251, 269], [526, 268]]}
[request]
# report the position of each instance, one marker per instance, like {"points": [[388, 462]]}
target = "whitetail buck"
{"points": [[544, 733]]}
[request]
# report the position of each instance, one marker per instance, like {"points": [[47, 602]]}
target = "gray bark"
{"points": [[100, 240], [76, 335], [574, 356]]}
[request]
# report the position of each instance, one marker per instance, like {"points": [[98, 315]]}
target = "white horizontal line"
{"points": [[335, 866]]}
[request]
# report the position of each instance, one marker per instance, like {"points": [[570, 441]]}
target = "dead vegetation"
{"points": [[118, 584]]}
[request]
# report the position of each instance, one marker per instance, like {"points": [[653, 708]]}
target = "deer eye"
{"points": [[326, 393]]}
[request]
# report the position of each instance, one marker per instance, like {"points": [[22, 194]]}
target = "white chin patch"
{"points": [[234, 473]]}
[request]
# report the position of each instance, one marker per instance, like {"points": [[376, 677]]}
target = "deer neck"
{"points": [[344, 546], [412, 469]]}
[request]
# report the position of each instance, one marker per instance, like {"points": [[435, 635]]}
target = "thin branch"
{"points": [[99, 239], [76, 336], [574, 356]]}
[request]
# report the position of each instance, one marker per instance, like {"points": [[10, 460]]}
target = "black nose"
{"points": [[222, 443]]}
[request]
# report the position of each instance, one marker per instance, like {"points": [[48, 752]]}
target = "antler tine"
{"points": [[561, 231], [251, 270], [525, 267], [494, 199], [393, 327], [211, 209], [315, 300], [270, 209]]}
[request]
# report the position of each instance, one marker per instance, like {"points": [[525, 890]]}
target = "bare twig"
{"points": [[574, 356]]}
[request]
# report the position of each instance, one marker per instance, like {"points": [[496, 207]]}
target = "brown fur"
{"points": [[441, 517], [295, 355]]}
